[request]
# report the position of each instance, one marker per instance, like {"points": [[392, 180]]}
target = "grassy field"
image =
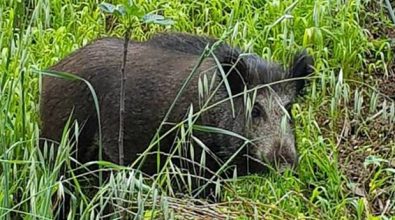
{"points": [[344, 123]]}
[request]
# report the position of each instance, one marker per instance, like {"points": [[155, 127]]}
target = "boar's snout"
{"points": [[278, 155], [282, 155]]}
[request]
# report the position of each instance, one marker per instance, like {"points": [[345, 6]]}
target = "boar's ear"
{"points": [[236, 69], [301, 66]]}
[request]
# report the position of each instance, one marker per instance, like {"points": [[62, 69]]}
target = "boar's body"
{"points": [[155, 71]]}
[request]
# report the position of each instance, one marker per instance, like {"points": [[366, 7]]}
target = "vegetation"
{"points": [[344, 123]]}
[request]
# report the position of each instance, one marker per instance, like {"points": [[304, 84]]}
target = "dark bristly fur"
{"points": [[155, 71]]}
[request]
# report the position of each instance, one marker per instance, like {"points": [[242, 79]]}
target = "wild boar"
{"points": [[155, 72]]}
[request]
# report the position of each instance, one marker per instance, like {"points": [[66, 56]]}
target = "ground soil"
{"points": [[369, 135]]}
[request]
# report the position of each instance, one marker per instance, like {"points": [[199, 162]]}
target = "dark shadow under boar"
{"points": [[155, 71]]}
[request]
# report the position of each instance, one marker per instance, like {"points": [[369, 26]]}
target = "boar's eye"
{"points": [[258, 111], [255, 112]]}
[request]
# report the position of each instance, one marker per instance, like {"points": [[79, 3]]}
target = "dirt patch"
{"points": [[387, 84], [366, 140], [366, 147], [377, 26]]}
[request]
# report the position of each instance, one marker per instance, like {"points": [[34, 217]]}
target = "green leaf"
{"points": [[62, 75], [216, 130], [118, 10], [373, 160], [157, 19], [134, 10], [391, 170], [107, 7]]}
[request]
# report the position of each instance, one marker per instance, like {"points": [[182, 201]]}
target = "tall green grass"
{"points": [[341, 115]]}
